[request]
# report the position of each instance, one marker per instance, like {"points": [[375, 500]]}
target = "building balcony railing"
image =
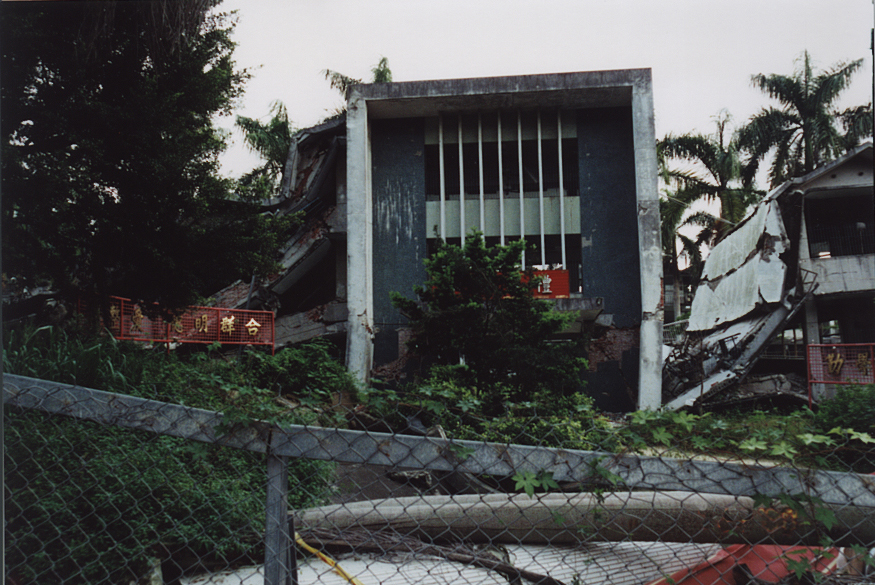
{"points": [[844, 240]]}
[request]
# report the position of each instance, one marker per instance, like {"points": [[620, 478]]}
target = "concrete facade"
{"points": [[602, 119]]}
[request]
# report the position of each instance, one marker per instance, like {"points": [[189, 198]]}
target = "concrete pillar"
{"points": [[812, 336], [359, 228], [650, 248], [812, 324]]}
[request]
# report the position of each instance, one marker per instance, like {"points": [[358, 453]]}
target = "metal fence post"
{"points": [[276, 538]]}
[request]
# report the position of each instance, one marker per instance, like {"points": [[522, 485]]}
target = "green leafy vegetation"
{"points": [[531, 482], [720, 180], [569, 422], [852, 406], [824, 439], [478, 325], [492, 371], [271, 140], [85, 500]]}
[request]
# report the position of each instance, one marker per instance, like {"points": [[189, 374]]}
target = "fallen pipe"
{"points": [[574, 518]]}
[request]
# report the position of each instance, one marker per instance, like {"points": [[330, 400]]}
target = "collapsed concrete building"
{"points": [[566, 161], [798, 270]]}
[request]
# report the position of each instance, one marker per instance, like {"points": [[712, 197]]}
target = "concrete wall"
{"points": [[842, 274], [398, 187], [610, 258], [608, 219]]}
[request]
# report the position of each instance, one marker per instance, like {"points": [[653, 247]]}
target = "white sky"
{"points": [[702, 52]]}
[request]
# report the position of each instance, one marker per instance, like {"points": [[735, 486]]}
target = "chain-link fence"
{"points": [[105, 488]]}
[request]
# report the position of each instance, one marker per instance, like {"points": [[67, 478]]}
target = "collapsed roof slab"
{"points": [[745, 271], [733, 351]]}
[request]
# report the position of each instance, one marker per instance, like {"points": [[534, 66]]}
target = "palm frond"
{"points": [[701, 219], [765, 129], [340, 82], [270, 140], [857, 124], [804, 133], [690, 147], [828, 85], [786, 90]]}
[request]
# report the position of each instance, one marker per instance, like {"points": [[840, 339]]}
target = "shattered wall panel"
{"points": [[743, 272], [735, 249]]}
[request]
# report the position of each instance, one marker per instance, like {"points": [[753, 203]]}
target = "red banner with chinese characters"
{"points": [[846, 363], [554, 284], [196, 325]]}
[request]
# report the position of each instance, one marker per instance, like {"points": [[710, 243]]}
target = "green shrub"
{"points": [[307, 372], [851, 407], [467, 412], [51, 353], [476, 307]]}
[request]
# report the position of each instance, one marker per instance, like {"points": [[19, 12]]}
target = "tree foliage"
{"points": [[110, 156], [381, 71], [474, 307], [271, 141], [705, 168], [717, 174], [806, 130]]}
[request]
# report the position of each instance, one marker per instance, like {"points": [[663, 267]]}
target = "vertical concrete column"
{"points": [[359, 229], [812, 336], [812, 323], [500, 183], [561, 189], [650, 248], [480, 167], [519, 146]]}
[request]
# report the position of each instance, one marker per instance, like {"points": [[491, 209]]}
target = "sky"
{"points": [[702, 52]]}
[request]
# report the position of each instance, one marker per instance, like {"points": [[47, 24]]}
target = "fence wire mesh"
{"points": [[106, 488]]}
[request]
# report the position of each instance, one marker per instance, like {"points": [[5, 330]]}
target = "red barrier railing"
{"points": [[845, 363], [203, 325]]}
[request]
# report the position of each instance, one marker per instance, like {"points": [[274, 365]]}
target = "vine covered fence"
{"points": [[107, 488]]}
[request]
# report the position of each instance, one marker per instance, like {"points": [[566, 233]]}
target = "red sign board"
{"points": [[196, 325], [554, 284], [848, 363]]}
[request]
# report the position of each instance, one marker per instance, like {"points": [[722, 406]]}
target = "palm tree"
{"points": [[716, 173], [804, 132], [271, 141], [711, 170], [672, 211]]}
